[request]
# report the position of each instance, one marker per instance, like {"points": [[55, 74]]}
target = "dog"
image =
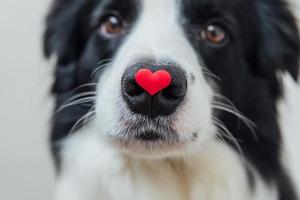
{"points": [[173, 99]]}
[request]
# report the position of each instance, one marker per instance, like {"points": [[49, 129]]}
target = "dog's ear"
{"points": [[279, 47], [62, 35]]}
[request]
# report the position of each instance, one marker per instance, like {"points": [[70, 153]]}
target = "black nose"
{"points": [[164, 102]]}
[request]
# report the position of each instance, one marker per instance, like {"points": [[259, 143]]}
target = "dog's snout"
{"points": [[153, 89]]}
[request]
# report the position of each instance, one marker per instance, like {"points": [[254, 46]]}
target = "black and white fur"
{"points": [[231, 129]]}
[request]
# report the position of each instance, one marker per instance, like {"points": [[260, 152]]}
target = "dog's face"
{"points": [[173, 119], [223, 56]]}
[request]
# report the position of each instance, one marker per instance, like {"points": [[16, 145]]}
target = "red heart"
{"points": [[153, 82]]}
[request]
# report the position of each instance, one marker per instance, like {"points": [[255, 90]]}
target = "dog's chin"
{"points": [[151, 144]]}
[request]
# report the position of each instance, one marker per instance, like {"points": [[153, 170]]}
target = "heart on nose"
{"points": [[153, 82]]}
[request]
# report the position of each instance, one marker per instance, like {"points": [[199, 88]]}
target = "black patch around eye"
{"points": [[128, 10], [70, 34]]}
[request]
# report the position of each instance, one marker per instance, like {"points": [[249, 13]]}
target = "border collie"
{"points": [[173, 99]]}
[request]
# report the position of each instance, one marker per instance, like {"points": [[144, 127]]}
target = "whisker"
{"points": [[210, 73], [234, 111], [100, 66], [104, 61], [82, 121], [76, 102], [77, 96], [223, 98], [83, 86], [220, 125]]}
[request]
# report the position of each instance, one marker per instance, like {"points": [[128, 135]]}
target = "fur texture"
{"points": [[225, 141]]}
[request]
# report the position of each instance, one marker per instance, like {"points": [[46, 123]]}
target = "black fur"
{"points": [[263, 40]]}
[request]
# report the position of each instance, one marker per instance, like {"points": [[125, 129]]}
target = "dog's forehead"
{"points": [[162, 2], [187, 8]]}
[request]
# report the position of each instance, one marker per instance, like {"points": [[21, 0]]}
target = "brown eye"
{"points": [[214, 34], [112, 26]]}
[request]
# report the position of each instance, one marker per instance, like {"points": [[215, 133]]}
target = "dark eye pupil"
{"points": [[214, 31]]}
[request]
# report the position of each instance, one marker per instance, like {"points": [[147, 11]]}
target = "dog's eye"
{"points": [[214, 34], [112, 26]]}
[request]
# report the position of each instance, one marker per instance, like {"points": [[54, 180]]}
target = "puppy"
{"points": [[173, 99]]}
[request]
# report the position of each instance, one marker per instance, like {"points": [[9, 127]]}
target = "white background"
{"points": [[25, 166]]}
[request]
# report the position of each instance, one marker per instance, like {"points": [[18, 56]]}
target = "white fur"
{"points": [[94, 170], [289, 118]]}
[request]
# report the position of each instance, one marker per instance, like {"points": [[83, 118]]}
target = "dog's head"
{"points": [[223, 57]]}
